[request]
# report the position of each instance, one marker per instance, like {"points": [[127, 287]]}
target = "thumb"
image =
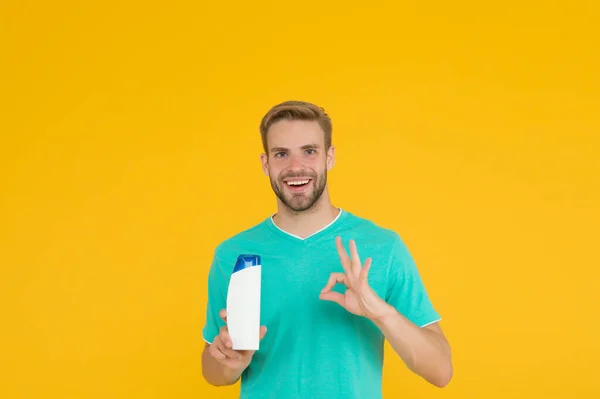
{"points": [[333, 297]]}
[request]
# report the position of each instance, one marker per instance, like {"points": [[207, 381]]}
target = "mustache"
{"points": [[299, 174]]}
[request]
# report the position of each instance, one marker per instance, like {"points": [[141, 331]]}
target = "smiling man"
{"points": [[335, 286]]}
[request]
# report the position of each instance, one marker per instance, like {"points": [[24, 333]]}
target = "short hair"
{"points": [[296, 110]]}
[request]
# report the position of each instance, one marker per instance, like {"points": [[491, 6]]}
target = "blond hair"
{"points": [[296, 110]]}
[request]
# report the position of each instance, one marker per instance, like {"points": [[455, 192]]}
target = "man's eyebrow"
{"points": [[304, 147]]}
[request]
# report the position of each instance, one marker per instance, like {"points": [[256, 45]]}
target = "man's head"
{"points": [[296, 138]]}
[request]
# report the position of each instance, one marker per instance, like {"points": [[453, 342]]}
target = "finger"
{"points": [[356, 264], [345, 260], [364, 273], [223, 315], [216, 352], [229, 353], [263, 331], [220, 351], [334, 278], [333, 297], [225, 338], [233, 355]]}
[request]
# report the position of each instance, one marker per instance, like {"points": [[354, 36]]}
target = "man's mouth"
{"points": [[297, 184]]}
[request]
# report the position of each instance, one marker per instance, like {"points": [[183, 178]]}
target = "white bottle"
{"points": [[243, 303]]}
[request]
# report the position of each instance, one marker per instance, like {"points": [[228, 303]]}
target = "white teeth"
{"points": [[297, 182]]}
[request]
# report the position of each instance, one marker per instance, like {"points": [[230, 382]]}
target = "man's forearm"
{"points": [[216, 373], [424, 351]]}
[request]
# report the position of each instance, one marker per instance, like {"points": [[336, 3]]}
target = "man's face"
{"points": [[297, 163]]}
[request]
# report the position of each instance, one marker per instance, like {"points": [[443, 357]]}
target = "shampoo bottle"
{"points": [[243, 303]]}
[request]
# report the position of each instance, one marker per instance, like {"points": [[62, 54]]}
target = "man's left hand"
{"points": [[359, 298]]}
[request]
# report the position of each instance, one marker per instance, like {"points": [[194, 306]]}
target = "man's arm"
{"points": [[425, 351], [399, 316], [221, 365]]}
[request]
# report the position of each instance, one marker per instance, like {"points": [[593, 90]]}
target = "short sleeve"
{"points": [[405, 289], [217, 298]]}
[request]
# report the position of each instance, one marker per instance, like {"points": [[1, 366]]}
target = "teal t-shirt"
{"points": [[315, 348]]}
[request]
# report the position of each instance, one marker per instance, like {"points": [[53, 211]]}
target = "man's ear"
{"points": [[264, 159], [330, 157]]}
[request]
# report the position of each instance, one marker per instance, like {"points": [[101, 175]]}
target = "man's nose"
{"points": [[296, 162]]}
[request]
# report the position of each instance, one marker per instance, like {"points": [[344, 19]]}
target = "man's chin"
{"points": [[302, 205]]}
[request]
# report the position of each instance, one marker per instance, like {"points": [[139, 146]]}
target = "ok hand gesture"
{"points": [[359, 298]]}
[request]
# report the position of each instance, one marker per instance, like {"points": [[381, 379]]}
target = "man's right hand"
{"points": [[220, 349]]}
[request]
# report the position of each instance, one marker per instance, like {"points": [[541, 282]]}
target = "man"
{"points": [[334, 285]]}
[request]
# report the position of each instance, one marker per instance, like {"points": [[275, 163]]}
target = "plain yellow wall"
{"points": [[129, 131]]}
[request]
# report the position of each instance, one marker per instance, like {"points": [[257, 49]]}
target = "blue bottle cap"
{"points": [[246, 260]]}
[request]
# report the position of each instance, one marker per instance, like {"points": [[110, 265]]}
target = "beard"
{"points": [[300, 202]]}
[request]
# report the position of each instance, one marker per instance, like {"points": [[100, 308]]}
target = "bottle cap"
{"points": [[246, 260]]}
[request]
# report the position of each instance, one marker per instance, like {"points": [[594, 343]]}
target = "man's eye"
{"points": [[310, 151], [279, 154]]}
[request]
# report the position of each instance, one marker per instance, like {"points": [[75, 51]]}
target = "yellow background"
{"points": [[130, 130]]}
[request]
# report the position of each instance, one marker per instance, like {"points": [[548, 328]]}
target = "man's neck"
{"points": [[304, 224]]}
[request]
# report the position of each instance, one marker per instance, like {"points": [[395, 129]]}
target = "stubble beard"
{"points": [[300, 202]]}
